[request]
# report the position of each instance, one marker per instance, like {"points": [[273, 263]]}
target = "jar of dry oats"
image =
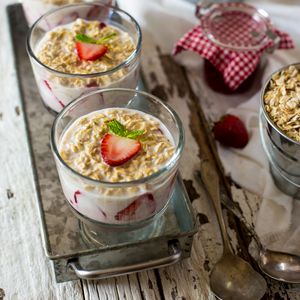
{"points": [[280, 127]]}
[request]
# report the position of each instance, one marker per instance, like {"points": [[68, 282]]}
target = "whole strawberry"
{"points": [[230, 131]]}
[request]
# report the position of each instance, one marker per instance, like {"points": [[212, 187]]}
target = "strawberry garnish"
{"points": [[143, 205], [230, 131], [117, 150], [88, 51]]}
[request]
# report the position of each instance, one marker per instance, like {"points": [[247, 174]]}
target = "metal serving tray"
{"points": [[170, 237]]}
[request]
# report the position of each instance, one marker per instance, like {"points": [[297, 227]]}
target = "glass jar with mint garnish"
{"points": [[117, 159]]}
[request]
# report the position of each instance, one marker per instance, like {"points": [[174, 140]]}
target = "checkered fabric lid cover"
{"points": [[233, 36]]}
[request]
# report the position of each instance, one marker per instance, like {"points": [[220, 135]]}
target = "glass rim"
{"points": [[125, 63], [168, 166], [237, 6]]}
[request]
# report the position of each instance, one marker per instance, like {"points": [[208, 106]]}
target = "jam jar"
{"points": [[237, 27]]}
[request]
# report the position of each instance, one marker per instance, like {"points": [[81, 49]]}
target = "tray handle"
{"points": [[174, 256]]}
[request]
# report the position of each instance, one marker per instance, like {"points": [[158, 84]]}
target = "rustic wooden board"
{"points": [[25, 273]]}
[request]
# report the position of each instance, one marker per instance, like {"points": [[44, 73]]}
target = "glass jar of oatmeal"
{"points": [[62, 70], [125, 196], [235, 27]]}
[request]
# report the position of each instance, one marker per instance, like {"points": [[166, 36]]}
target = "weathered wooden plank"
{"points": [[124, 287], [25, 272], [149, 286], [106, 289], [189, 279]]}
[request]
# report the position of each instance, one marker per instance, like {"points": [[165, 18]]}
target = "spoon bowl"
{"points": [[279, 265], [233, 278]]}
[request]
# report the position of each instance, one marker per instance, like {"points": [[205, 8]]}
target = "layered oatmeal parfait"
{"points": [[87, 46], [118, 159], [34, 9]]}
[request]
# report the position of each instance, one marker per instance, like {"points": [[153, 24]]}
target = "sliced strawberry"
{"points": [[102, 25], [93, 12], [90, 51], [76, 193], [92, 84], [102, 212], [50, 89], [117, 150], [68, 18], [142, 207]]}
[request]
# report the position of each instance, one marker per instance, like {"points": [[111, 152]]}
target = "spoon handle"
{"points": [[210, 179], [231, 206]]}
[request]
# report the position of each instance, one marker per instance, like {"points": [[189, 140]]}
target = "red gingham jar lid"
{"points": [[237, 26]]}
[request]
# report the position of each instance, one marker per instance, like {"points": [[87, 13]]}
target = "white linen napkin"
{"points": [[164, 22]]}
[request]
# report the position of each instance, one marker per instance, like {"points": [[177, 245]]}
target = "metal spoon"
{"points": [[277, 265], [232, 277]]}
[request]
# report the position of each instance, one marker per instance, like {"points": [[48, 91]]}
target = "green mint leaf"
{"points": [[106, 38], [134, 134], [117, 128], [85, 39]]}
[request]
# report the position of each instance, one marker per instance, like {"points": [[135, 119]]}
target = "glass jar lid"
{"points": [[237, 26]]}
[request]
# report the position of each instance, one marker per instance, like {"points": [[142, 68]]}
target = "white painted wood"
{"points": [[106, 289], [25, 272], [148, 283]]}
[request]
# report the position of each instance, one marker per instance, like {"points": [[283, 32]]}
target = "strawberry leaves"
{"points": [[119, 129]]}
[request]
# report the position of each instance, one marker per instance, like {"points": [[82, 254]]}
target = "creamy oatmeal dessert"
{"points": [[34, 9], [282, 101], [117, 145], [85, 47], [81, 56]]}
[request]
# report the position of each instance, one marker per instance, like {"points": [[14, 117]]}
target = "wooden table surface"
{"points": [[26, 273]]}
